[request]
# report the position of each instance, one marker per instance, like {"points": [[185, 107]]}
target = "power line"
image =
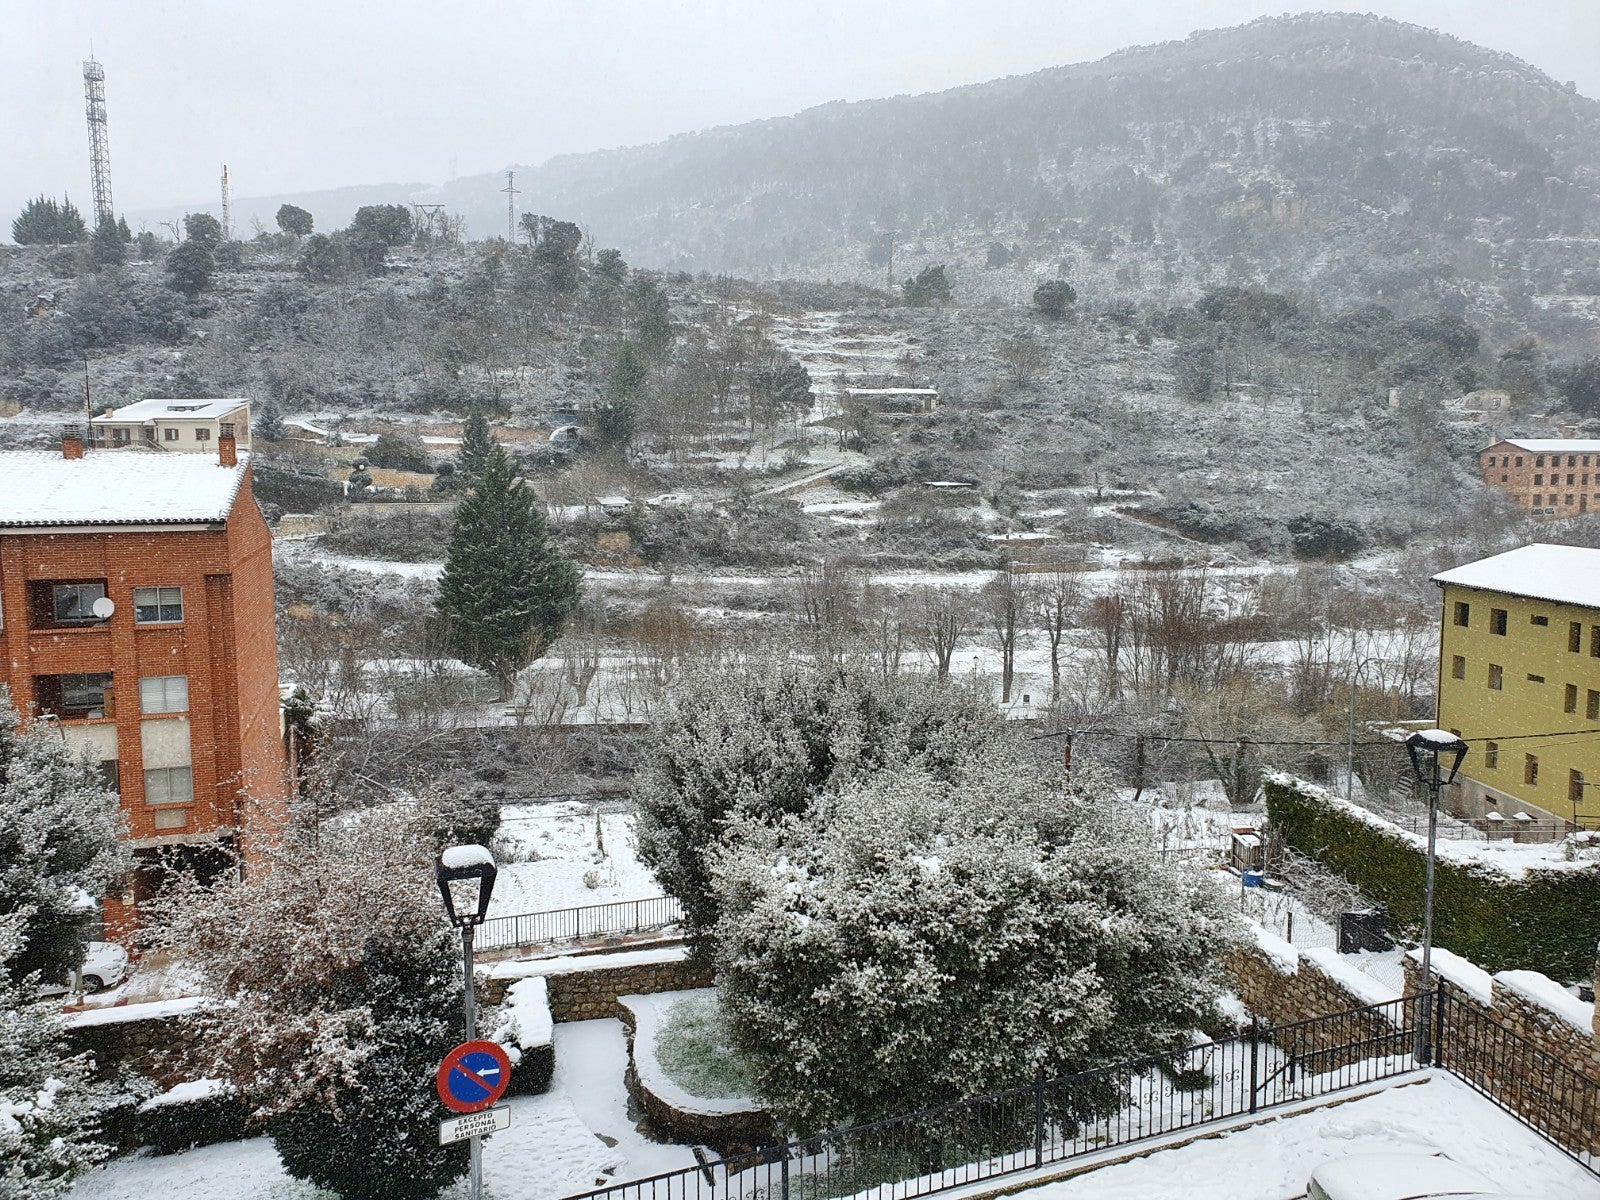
{"points": [[1235, 739]]}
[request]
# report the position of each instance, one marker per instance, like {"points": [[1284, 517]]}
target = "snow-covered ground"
{"points": [[553, 856], [1272, 1160], [576, 1137]]}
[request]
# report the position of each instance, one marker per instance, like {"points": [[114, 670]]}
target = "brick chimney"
{"points": [[227, 448], [71, 442]]}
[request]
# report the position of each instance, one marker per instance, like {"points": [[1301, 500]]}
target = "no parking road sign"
{"points": [[473, 1076]]}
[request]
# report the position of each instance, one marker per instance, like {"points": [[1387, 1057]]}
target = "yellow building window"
{"points": [[1594, 641], [1575, 787], [1497, 621], [1575, 637], [1496, 677], [1463, 613], [1530, 770], [1491, 755], [1458, 667], [1570, 704], [1538, 619], [1592, 710]]}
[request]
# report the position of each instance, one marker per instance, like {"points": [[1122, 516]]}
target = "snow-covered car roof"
{"points": [[1396, 1177]]}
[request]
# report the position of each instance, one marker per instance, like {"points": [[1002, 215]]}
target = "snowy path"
{"points": [[576, 1137]]}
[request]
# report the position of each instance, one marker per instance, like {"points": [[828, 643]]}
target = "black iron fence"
{"points": [[1532, 1084], [1055, 1120], [593, 922]]}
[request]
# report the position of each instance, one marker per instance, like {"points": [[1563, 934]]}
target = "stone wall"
{"points": [[586, 987], [144, 1037], [1537, 1061], [1286, 991]]}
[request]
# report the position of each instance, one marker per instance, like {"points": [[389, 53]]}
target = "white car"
{"points": [[1399, 1177], [104, 966], [668, 500]]}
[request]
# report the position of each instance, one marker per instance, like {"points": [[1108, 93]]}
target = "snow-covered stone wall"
{"points": [[585, 987], [1285, 987]]}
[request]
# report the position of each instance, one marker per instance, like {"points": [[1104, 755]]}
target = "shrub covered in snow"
{"points": [[914, 940], [59, 847], [339, 990], [757, 745], [50, 1108]]}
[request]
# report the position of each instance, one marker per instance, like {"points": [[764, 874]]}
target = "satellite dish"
{"points": [[103, 607]]}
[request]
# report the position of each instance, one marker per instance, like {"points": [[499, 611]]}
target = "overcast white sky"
{"points": [[297, 95]]}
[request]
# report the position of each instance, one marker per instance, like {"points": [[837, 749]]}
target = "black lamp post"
{"points": [[1436, 756], [465, 875]]}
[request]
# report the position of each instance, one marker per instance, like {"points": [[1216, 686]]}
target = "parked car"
{"points": [[1399, 1177], [104, 966]]}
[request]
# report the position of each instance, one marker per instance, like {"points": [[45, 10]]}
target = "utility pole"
{"points": [[511, 192]]}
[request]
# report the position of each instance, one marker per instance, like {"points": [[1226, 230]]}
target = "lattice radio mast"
{"points": [[94, 97], [511, 192], [227, 207]]}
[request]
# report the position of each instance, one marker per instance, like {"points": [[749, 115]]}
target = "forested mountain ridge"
{"points": [[1348, 155]]}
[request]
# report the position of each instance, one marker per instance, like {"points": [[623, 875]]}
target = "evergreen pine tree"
{"points": [[43, 222], [477, 444], [106, 247], [616, 417], [269, 422], [505, 590], [59, 827]]}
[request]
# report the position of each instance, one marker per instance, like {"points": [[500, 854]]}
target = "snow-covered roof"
{"points": [[41, 488], [1556, 445], [149, 410], [1560, 574]]}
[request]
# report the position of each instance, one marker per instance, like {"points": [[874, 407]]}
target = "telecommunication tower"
{"points": [[227, 207], [511, 192], [94, 96]]}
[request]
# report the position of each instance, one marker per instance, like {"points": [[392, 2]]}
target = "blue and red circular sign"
{"points": [[473, 1076]]}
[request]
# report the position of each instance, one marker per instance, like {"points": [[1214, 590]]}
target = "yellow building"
{"points": [[1519, 680]]}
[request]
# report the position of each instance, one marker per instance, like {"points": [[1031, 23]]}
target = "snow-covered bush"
{"points": [[337, 989], [50, 1108], [913, 941], [763, 743], [59, 846]]}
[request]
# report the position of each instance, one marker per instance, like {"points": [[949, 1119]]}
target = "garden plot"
{"points": [[565, 855], [682, 1054]]}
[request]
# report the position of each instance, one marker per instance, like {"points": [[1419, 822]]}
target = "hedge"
{"points": [[1547, 919]]}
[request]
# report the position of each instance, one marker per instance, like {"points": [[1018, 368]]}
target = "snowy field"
{"points": [[554, 856]]}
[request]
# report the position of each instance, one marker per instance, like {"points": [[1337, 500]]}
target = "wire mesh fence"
{"points": [[572, 926], [1056, 1120]]}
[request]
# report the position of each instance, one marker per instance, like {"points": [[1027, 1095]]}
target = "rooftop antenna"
{"points": [[227, 207], [94, 96], [511, 192]]}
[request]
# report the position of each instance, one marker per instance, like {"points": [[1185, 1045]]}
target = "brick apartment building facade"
{"points": [[136, 613], [1548, 477]]}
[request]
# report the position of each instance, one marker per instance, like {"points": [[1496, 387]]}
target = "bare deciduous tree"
{"points": [[943, 616]]}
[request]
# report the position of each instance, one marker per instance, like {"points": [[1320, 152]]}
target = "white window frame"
{"points": [[158, 786], [160, 694], [161, 605]]}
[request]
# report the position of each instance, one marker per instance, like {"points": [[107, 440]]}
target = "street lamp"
{"points": [[1430, 750], [465, 875]]}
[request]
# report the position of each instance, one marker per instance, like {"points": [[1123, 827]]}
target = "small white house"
{"points": [[188, 426]]}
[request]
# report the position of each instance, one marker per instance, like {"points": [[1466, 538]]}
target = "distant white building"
{"points": [[189, 426]]}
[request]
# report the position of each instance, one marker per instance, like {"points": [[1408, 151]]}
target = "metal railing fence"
{"points": [[1055, 1120], [1530, 1083], [593, 922]]}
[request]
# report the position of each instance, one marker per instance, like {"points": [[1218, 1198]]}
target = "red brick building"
{"points": [[1548, 477], [136, 612]]}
